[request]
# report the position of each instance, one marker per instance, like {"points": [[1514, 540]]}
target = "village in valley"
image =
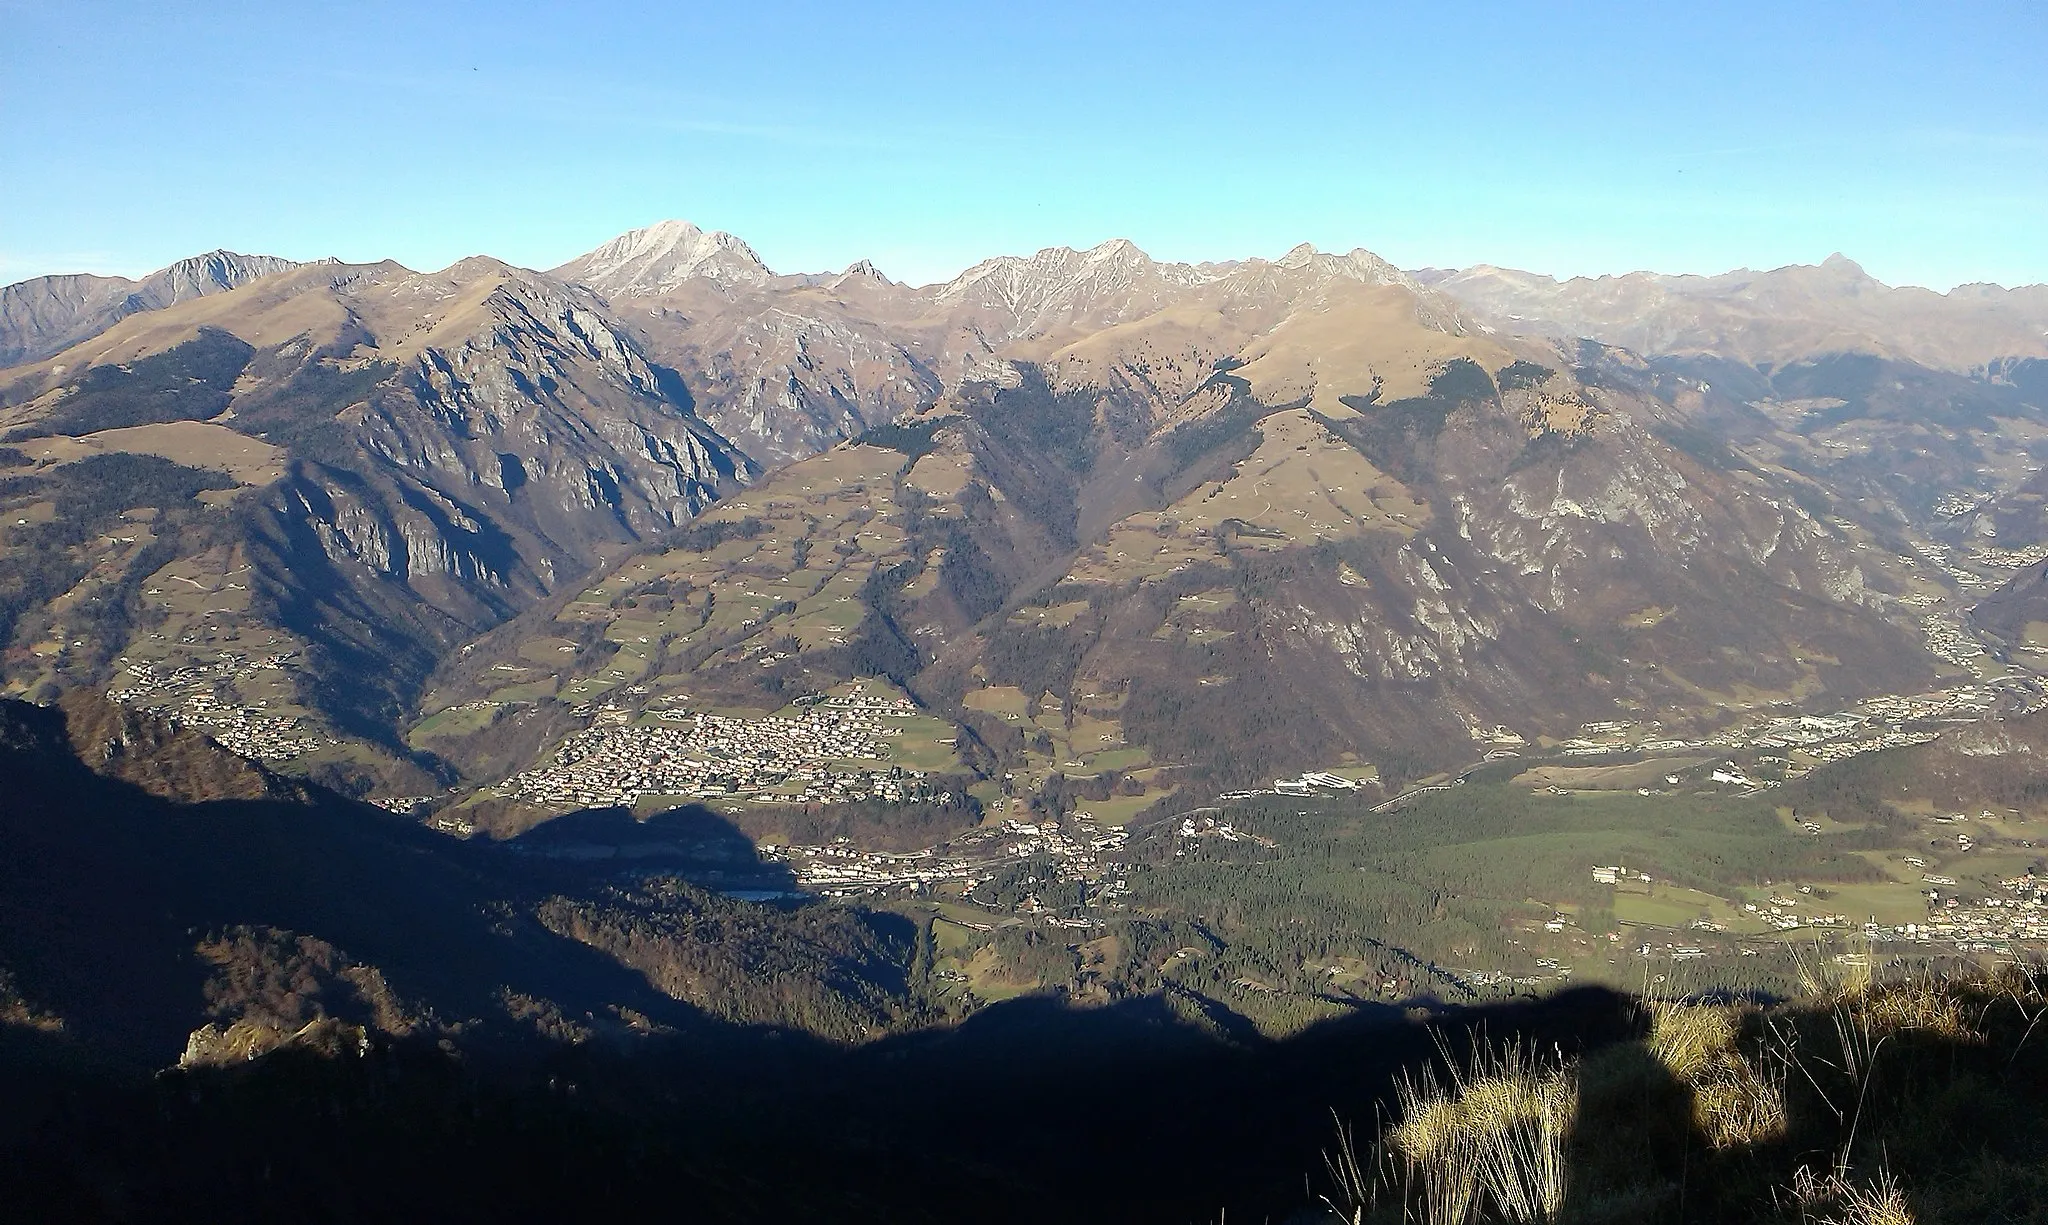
{"points": [[1073, 852], [833, 748], [642, 746], [865, 741]]}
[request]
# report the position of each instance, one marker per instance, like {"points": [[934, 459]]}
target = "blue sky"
{"points": [[1565, 138]]}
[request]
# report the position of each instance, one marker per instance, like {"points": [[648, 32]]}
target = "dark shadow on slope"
{"points": [[106, 889], [1634, 1125], [692, 842], [1157, 1108]]}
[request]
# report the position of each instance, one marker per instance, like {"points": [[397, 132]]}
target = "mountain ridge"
{"points": [[45, 315], [426, 456], [1779, 315]]}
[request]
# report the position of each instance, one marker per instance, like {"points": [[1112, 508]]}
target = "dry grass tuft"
{"points": [[1923, 1006], [1495, 1136], [1742, 1104], [1735, 1101], [1690, 1039], [1488, 1139], [1829, 978], [1881, 1202]]}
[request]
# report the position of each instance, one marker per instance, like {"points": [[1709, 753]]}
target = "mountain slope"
{"points": [[191, 912], [276, 511], [423, 455]]}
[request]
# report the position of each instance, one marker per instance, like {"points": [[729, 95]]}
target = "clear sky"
{"points": [[1564, 137]]}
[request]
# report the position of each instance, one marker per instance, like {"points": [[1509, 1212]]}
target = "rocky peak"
{"points": [[200, 275], [663, 256], [1841, 274], [1358, 264], [1112, 275], [1298, 255], [472, 267], [860, 272], [49, 314], [1122, 250]]}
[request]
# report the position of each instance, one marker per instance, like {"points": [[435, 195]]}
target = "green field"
{"points": [[1669, 907], [1121, 808], [531, 691], [1888, 903], [1118, 759], [453, 722], [921, 745], [1469, 877]]}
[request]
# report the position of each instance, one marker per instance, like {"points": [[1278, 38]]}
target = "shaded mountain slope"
{"points": [[225, 896]]}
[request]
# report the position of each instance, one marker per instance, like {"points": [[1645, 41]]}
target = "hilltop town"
{"points": [[201, 695]]}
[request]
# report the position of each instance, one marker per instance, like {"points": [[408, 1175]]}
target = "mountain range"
{"points": [[324, 509], [1767, 318], [51, 313]]}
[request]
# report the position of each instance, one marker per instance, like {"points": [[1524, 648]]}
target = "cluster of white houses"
{"points": [[1076, 850], [801, 759], [195, 695], [1872, 724], [1991, 925]]}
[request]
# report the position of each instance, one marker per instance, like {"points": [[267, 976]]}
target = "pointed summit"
{"points": [[663, 256], [1843, 267], [1118, 249]]}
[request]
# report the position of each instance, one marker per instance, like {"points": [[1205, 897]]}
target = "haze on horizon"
{"points": [[926, 137]]}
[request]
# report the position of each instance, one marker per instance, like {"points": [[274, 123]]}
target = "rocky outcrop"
{"points": [[171, 762]]}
